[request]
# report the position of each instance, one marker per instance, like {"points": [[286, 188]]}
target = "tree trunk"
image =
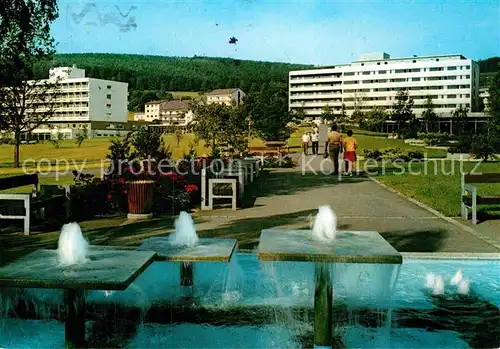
{"points": [[427, 126], [17, 142]]}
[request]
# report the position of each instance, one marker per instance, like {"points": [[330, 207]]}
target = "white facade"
{"points": [[374, 80], [226, 96], [82, 102], [152, 110], [484, 94]]}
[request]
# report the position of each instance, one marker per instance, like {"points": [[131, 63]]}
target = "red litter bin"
{"points": [[140, 199]]}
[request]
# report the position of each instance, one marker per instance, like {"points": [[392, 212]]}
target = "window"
{"points": [[437, 59], [366, 73], [350, 73], [452, 68], [414, 61], [362, 64], [467, 76], [108, 105], [467, 67], [436, 69], [382, 72], [108, 96], [385, 62], [415, 70], [378, 63], [452, 96], [108, 87], [415, 79]]}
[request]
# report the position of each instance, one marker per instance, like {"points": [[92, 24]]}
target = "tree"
{"points": [[25, 42], [178, 135], [327, 113], [461, 118], [376, 119], [402, 112], [220, 124], [268, 110], [300, 112], [429, 116], [82, 136]]}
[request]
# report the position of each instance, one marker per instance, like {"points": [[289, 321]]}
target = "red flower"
{"points": [[172, 175], [190, 187], [121, 181], [109, 196]]}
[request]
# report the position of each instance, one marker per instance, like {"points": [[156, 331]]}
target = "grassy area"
{"points": [[93, 151], [373, 142], [437, 183]]}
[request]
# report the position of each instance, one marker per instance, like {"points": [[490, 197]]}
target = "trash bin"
{"points": [[140, 199]]}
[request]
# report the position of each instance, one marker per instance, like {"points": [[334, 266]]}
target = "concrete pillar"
{"points": [[323, 308], [74, 327], [187, 272]]}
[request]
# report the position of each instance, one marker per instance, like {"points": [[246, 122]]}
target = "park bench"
{"points": [[49, 198], [227, 183], [469, 196]]}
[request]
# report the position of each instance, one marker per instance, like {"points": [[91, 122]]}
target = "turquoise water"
{"points": [[236, 294]]}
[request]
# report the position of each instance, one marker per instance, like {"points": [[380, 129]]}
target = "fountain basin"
{"points": [[348, 247], [107, 270], [206, 250]]}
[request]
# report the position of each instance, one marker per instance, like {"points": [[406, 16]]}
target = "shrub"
{"points": [[274, 161], [392, 154], [435, 138]]}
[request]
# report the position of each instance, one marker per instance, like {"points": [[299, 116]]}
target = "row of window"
{"points": [[378, 98], [390, 71], [369, 107]]}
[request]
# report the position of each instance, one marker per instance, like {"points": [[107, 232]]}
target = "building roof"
{"points": [[155, 102], [175, 104], [222, 91]]}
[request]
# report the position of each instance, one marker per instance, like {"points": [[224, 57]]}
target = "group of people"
{"points": [[311, 139], [336, 146]]}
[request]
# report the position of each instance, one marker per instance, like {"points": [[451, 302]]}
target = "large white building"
{"points": [[99, 106], [374, 80]]}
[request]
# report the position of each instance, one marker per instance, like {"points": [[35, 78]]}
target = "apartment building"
{"points": [[374, 80], [226, 96], [79, 103]]}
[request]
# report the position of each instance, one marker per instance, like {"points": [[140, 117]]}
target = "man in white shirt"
{"points": [[315, 142], [305, 142]]}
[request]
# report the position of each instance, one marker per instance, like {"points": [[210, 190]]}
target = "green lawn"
{"points": [[381, 143], [440, 191]]}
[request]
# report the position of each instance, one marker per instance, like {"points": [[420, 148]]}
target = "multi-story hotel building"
{"points": [[99, 106], [374, 80]]}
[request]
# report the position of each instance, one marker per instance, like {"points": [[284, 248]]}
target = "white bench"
{"points": [[211, 196], [31, 200]]}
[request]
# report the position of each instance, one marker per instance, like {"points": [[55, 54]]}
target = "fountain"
{"points": [[184, 246], [334, 253], [185, 233], [75, 267], [72, 247]]}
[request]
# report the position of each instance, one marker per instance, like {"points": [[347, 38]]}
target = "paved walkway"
{"points": [[287, 197]]}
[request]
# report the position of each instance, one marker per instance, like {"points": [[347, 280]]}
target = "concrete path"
{"points": [[287, 197]]}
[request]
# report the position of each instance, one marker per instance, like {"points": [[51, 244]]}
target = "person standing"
{"points": [[350, 146], [335, 147], [315, 142], [305, 142]]}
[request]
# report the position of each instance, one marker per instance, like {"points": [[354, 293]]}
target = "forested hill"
{"points": [[159, 73], [177, 73]]}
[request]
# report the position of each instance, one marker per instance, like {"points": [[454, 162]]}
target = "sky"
{"points": [[300, 31]]}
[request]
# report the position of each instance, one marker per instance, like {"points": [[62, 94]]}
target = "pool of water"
{"points": [[249, 304]]}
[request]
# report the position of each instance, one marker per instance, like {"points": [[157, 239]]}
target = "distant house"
{"points": [[174, 114], [226, 96], [484, 94], [152, 110]]}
